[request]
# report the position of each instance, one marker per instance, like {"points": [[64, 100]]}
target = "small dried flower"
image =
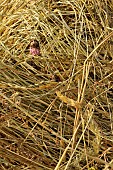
{"points": [[34, 47], [34, 51]]}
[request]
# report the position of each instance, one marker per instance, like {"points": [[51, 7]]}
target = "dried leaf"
{"points": [[48, 86], [68, 101]]}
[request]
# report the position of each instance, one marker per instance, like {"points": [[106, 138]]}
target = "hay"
{"points": [[56, 107]]}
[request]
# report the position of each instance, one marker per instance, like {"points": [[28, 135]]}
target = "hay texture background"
{"points": [[56, 108]]}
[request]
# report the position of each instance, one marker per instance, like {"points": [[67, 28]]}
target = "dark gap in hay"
{"points": [[110, 93], [13, 61]]}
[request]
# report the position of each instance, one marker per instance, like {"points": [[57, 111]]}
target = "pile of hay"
{"points": [[56, 108]]}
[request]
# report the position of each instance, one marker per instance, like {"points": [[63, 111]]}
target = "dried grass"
{"points": [[56, 109]]}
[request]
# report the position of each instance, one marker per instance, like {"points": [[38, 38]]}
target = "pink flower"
{"points": [[34, 51]]}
